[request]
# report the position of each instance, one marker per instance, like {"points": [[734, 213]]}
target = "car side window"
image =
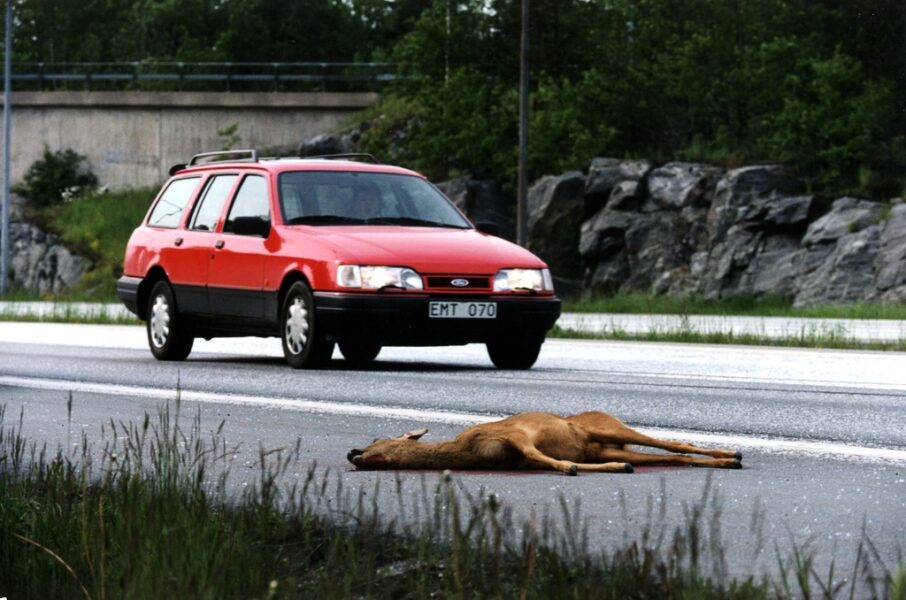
{"points": [[209, 208], [172, 203], [251, 201]]}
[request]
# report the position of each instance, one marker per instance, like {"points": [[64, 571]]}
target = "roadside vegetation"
{"points": [[638, 303], [154, 511], [685, 334], [96, 224]]}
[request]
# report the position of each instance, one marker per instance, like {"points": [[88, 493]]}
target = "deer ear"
{"points": [[414, 434]]}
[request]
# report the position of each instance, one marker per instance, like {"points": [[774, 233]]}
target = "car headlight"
{"points": [[378, 277], [532, 280]]}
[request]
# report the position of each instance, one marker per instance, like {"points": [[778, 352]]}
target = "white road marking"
{"points": [[782, 446]]}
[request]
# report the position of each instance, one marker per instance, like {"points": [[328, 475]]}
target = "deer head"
{"points": [[390, 453]]}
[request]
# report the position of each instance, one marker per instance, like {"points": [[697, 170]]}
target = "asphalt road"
{"points": [[822, 431]]}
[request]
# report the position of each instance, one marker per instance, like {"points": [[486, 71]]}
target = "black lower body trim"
{"points": [[127, 290]]}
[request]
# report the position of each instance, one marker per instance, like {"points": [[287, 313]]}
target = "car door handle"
{"points": [[177, 242], [218, 244]]}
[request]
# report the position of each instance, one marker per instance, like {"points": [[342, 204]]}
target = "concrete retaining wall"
{"points": [[132, 138]]}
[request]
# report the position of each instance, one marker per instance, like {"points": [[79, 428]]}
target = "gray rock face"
{"points": [[481, 201], [328, 143], [624, 196], [846, 274], [555, 209], [847, 215], [322, 144], [609, 275], [606, 173], [688, 229], [676, 185], [653, 244], [39, 264], [890, 266], [743, 193], [604, 234]]}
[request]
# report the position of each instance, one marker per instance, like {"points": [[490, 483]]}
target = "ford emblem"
{"points": [[460, 282]]}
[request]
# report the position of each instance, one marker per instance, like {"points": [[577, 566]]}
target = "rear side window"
{"points": [[211, 203], [172, 203], [251, 201]]}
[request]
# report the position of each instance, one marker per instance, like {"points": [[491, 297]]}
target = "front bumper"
{"points": [[404, 320]]}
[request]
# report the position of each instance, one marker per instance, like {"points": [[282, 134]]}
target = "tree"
{"points": [[832, 123]]}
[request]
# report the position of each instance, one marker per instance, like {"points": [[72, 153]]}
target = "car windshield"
{"points": [[356, 198]]}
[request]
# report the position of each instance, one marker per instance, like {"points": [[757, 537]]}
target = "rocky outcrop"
{"points": [[555, 208], [605, 175], [482, 202], [38, 262], [689, 229], [890, 266], [329, 143]]}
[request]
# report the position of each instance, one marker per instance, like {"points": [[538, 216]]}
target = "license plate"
{"points": [[462, 310]]}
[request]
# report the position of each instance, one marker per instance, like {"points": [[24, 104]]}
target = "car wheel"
{"points": [[359, 353], [303, 345], [170, 334], [514, 355]]}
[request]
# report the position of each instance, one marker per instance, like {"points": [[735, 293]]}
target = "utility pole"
{"points": [[4, 232], [522, 191]]}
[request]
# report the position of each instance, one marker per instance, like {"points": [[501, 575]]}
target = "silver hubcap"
{"points": [[296, 333], [159, 325]]}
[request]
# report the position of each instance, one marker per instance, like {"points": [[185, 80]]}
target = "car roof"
{"points": [[280, 165]]}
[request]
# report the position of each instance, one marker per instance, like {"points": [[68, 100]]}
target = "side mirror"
{"points": [[488, 227], [249, 226]]}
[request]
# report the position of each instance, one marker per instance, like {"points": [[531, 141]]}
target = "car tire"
{"points": [[303, 345], [170, 334], [514, 355], [359, 354]]}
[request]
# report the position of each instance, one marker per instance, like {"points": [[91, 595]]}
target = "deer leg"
{"points": [[540, 459], [643, 458], [627, 435], [532, 454]]}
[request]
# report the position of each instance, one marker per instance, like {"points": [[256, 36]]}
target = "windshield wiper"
{"points": [[411, 221], [325, 220]]}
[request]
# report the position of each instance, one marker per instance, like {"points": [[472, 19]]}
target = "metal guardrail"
{"points": [[239, 76]]}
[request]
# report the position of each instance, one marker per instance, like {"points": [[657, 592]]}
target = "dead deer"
{"points": [[591, 441]]}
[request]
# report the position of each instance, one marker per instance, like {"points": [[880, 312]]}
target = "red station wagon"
{"points": [[325, 251]]}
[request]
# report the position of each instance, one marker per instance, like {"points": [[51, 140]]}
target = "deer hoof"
{"points": [[736, 464], [628, 468], [738, 455], [573, 470]]}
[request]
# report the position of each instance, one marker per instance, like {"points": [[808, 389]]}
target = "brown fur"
{"points": [[591, 441]]}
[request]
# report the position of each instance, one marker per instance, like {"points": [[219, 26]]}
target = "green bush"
{"points": [[832, 123], [55, 177]]}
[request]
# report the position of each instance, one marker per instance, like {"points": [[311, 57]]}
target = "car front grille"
{"points": [[474, 283]]}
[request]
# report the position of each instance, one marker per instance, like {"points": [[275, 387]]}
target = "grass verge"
{"points": [[152, 513], [807, 339], [97, 225], [638, 303]]}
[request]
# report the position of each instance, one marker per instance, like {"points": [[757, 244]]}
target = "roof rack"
{"points": [[364, 155], [247, 155]]}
